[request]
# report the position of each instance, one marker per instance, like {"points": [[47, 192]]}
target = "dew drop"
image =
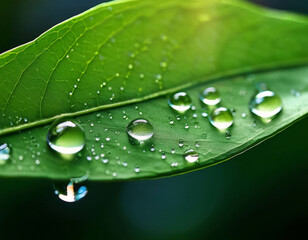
{"points": [[210, 96], [228, 135], [221, 118], [137, 169], [181, 143], [70, 192], [130, 66], [266, 104], [66, 137], [140, 129], [180, 102], [4, 153], [191, 156]]}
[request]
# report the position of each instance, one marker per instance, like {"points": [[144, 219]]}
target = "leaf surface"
{"points": [[117, 61]]}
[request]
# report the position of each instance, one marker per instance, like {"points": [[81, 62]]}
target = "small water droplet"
{"points": [[210, 96], [295, 93], [4, 153], [204, 114], [180, 102], [70, 192], [181, 143], [137, 169], [228, 135], [140, 129], [130, 66], [244, 115], [163, 64], [163, 156], [66, 137], [221, 118], [191, 156], [266, 104]]}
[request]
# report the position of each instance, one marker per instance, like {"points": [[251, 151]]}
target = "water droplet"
{"points": [[228, 135], [181, 143], [244, 115], [204, 114], [221, 118], [66, 137], [173, 151], [295, 93], [163, 64], [130, 66], [191, 156], [163, 156], [140, 129], [180, 102], [266, 104], [137, 169], [4, 153], [174, 164], [70, 192], [210, 96]]}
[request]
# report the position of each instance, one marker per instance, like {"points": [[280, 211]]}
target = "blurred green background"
{"points": [[261, 194]]}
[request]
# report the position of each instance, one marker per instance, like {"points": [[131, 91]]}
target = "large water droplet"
{"points": [[66, 137], [70, 192], [4, 153], [180, 102], [266, 104], [221, 118], [210, 96], [191, 156], [140, 130]]}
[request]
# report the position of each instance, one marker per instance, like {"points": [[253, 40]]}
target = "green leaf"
{"points": [[96, 65]]}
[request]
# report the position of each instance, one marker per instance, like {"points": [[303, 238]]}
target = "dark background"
{"points": [[261, 194]]}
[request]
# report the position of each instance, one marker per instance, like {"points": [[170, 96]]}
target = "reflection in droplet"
{"points": [[221, 118], [191, 156], [266, 104], [140, 129], [4, 153], [70, 192], [210, 96], [66, 137], [181, 102]]}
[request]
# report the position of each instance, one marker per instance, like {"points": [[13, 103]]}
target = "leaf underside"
{"points": [[117, 61]]}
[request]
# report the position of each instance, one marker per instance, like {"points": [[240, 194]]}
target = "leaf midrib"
{"points": [[227, 74]]}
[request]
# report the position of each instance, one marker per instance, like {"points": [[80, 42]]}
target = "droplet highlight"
{"points": [[70, 192], [191, 156], [4, 153]]}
